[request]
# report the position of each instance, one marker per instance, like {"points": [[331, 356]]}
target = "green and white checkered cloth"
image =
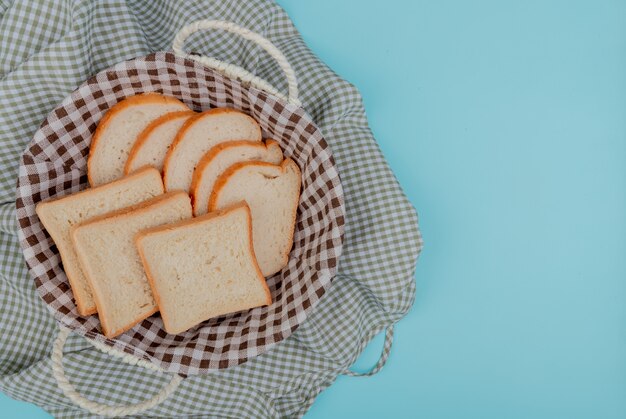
{"points": [[47, 49]]}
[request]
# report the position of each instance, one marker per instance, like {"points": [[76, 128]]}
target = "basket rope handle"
{"points": [[384, 355], [234, 71], [98, 408]]}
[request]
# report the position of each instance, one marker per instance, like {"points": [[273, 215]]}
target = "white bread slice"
{"points": [[197, 136], [220, 158], [203, 268], [272, 193], [108, 256], [59, 215], [155, 140], [118, 130]]}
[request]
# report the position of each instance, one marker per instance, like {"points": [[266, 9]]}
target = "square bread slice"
{"points": [[60, 214], [203, 268], [107, 253], [272, 192]]}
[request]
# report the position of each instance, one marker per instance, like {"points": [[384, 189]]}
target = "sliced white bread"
{"points": [[59, 215], [203, 268], [118, 130], [272, 192], [220, 158], [198, 135], [108, 256], [155, 140]]}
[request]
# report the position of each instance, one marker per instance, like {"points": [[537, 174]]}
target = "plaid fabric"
{"points": [[47, 49], [55, 164]]}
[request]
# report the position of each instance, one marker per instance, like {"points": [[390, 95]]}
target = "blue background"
{"points": [[505, 123]]}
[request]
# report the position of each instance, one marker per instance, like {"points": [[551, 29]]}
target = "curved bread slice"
{"points": [[108, 256], [59, 215], [272, 193], [197, 136], [220, 158], [155, 140], [118, 130], [203, 268]]}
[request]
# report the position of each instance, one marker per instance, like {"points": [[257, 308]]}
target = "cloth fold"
{"points": [[46, 50]]}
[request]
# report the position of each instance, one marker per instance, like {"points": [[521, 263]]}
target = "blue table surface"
{"points": [[505, 123]]}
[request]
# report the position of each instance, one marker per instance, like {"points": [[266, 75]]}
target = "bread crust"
{"points": [[140, 99], [141, 235], [188, 124], [145, 134], [81, 305], [209, 156], [101, 307]]}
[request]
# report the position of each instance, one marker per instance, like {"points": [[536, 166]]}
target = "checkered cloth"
{"points": [[47, 49], [55, 164]]}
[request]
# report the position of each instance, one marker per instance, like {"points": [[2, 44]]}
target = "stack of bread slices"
{"points": [[187, 214]]}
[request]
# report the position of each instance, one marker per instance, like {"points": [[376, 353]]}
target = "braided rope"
{"points": [[234, 71], [128, 359], [97, 408], [381, 361]]}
